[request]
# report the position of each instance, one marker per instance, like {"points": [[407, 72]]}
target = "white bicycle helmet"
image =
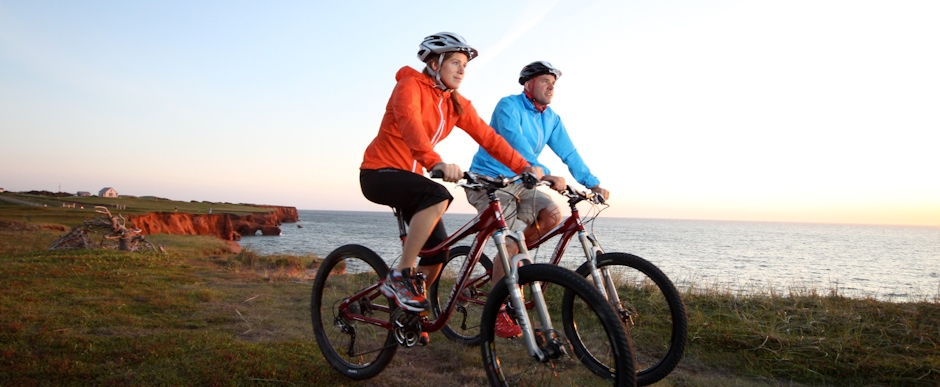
{"points": [[442, 42]]}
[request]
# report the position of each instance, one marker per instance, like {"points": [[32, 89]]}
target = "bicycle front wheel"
{"points": [[464, 324], [508, 361], [650, 309], [348, 312]]}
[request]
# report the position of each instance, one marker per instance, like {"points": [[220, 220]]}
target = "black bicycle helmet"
{"points": [[442, 42], [537, 68]]}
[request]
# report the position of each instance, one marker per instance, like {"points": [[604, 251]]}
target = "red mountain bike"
{"points": [[358, 329], [646, 301]]}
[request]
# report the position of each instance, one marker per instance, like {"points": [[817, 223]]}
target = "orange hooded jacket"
{"points": [[417, 117]]}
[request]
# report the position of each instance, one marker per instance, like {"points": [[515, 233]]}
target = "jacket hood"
{"points": [[408, 72]]}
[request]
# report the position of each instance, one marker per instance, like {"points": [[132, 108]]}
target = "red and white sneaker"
{"points": [[401, 286], [506, 327]]}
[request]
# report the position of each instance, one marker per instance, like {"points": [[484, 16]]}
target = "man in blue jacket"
{"points": [[528, 124]]}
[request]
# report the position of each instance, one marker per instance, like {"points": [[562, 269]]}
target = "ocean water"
{"points": [[892, 263]]}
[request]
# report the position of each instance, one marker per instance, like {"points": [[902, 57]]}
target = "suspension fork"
{"points": [[516, 297], [591, 249], [602, 278]]}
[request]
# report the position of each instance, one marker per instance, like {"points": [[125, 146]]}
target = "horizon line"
{"points": [[687, 219]]}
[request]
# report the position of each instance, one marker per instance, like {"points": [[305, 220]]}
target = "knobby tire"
{"points": [[507, 362], [374, 346], [657, 321]]}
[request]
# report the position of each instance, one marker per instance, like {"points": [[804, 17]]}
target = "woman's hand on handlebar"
{"points": [[535, 170], [452, 172], [557, 183]]}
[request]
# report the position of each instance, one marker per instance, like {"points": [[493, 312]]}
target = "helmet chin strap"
{"points": [[538, 106], [437, 75]]}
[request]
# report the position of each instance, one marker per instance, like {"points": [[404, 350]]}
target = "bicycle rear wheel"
{"points": [[507, 361], [348, 311], [650, 310], [464, 324]]}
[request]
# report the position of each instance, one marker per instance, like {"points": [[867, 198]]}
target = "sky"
{"points": [[793, 111]]}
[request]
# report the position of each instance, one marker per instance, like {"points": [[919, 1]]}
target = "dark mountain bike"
{"points": [[647, 303]]}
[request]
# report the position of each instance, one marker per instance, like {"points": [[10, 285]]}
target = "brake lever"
{"points": [[529, 180]]}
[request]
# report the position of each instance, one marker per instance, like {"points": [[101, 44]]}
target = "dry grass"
{"points": [[202, 316]]}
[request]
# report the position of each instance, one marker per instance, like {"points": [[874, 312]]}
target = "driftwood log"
{"points": [[77, 237]]}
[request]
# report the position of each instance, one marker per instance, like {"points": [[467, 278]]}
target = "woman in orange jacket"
{"points": [[423, 109]]}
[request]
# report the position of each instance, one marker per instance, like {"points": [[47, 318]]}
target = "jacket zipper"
{"points": [[437, 135]]}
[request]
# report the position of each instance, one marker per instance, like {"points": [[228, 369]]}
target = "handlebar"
{"points": [[476, 181], [575, 196]]}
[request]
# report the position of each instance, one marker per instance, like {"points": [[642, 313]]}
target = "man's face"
{"points": [[542, 88]]}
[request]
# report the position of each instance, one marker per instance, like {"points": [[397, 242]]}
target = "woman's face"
{"points": [[452, 70]]}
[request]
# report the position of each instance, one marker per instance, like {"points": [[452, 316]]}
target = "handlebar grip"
{"points": [[439, 174]]}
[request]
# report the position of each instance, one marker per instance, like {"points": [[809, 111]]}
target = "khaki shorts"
{"points": [[518, 203]]}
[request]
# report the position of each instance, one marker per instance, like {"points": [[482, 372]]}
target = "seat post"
{"points": [[402, 226]]}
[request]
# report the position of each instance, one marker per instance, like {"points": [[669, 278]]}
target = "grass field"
{"points": [[199, 315]]}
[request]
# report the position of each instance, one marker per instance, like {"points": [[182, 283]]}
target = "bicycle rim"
{"points": [[358, 350], [464, 324], [507, 361], [650, 309]]}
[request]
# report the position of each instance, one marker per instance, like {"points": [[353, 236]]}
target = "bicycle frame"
{"points": [[574, 225], [490, 223], [487, 224]]}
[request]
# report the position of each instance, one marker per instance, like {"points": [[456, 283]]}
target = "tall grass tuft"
{"points": [[818, 338], [275, 267]]}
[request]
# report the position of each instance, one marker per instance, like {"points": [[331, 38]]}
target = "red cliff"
{"points": [[229, 227], [284, 214]]}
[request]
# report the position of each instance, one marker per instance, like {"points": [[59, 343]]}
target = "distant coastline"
{"points": [[227, 221]]}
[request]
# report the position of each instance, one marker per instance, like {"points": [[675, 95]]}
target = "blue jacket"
{"points": [[528, 131]]}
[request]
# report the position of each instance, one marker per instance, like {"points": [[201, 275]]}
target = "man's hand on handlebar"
{"points": [[535, 170], [600, 191], [556, 182], [531, 176], [452, 172]]}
